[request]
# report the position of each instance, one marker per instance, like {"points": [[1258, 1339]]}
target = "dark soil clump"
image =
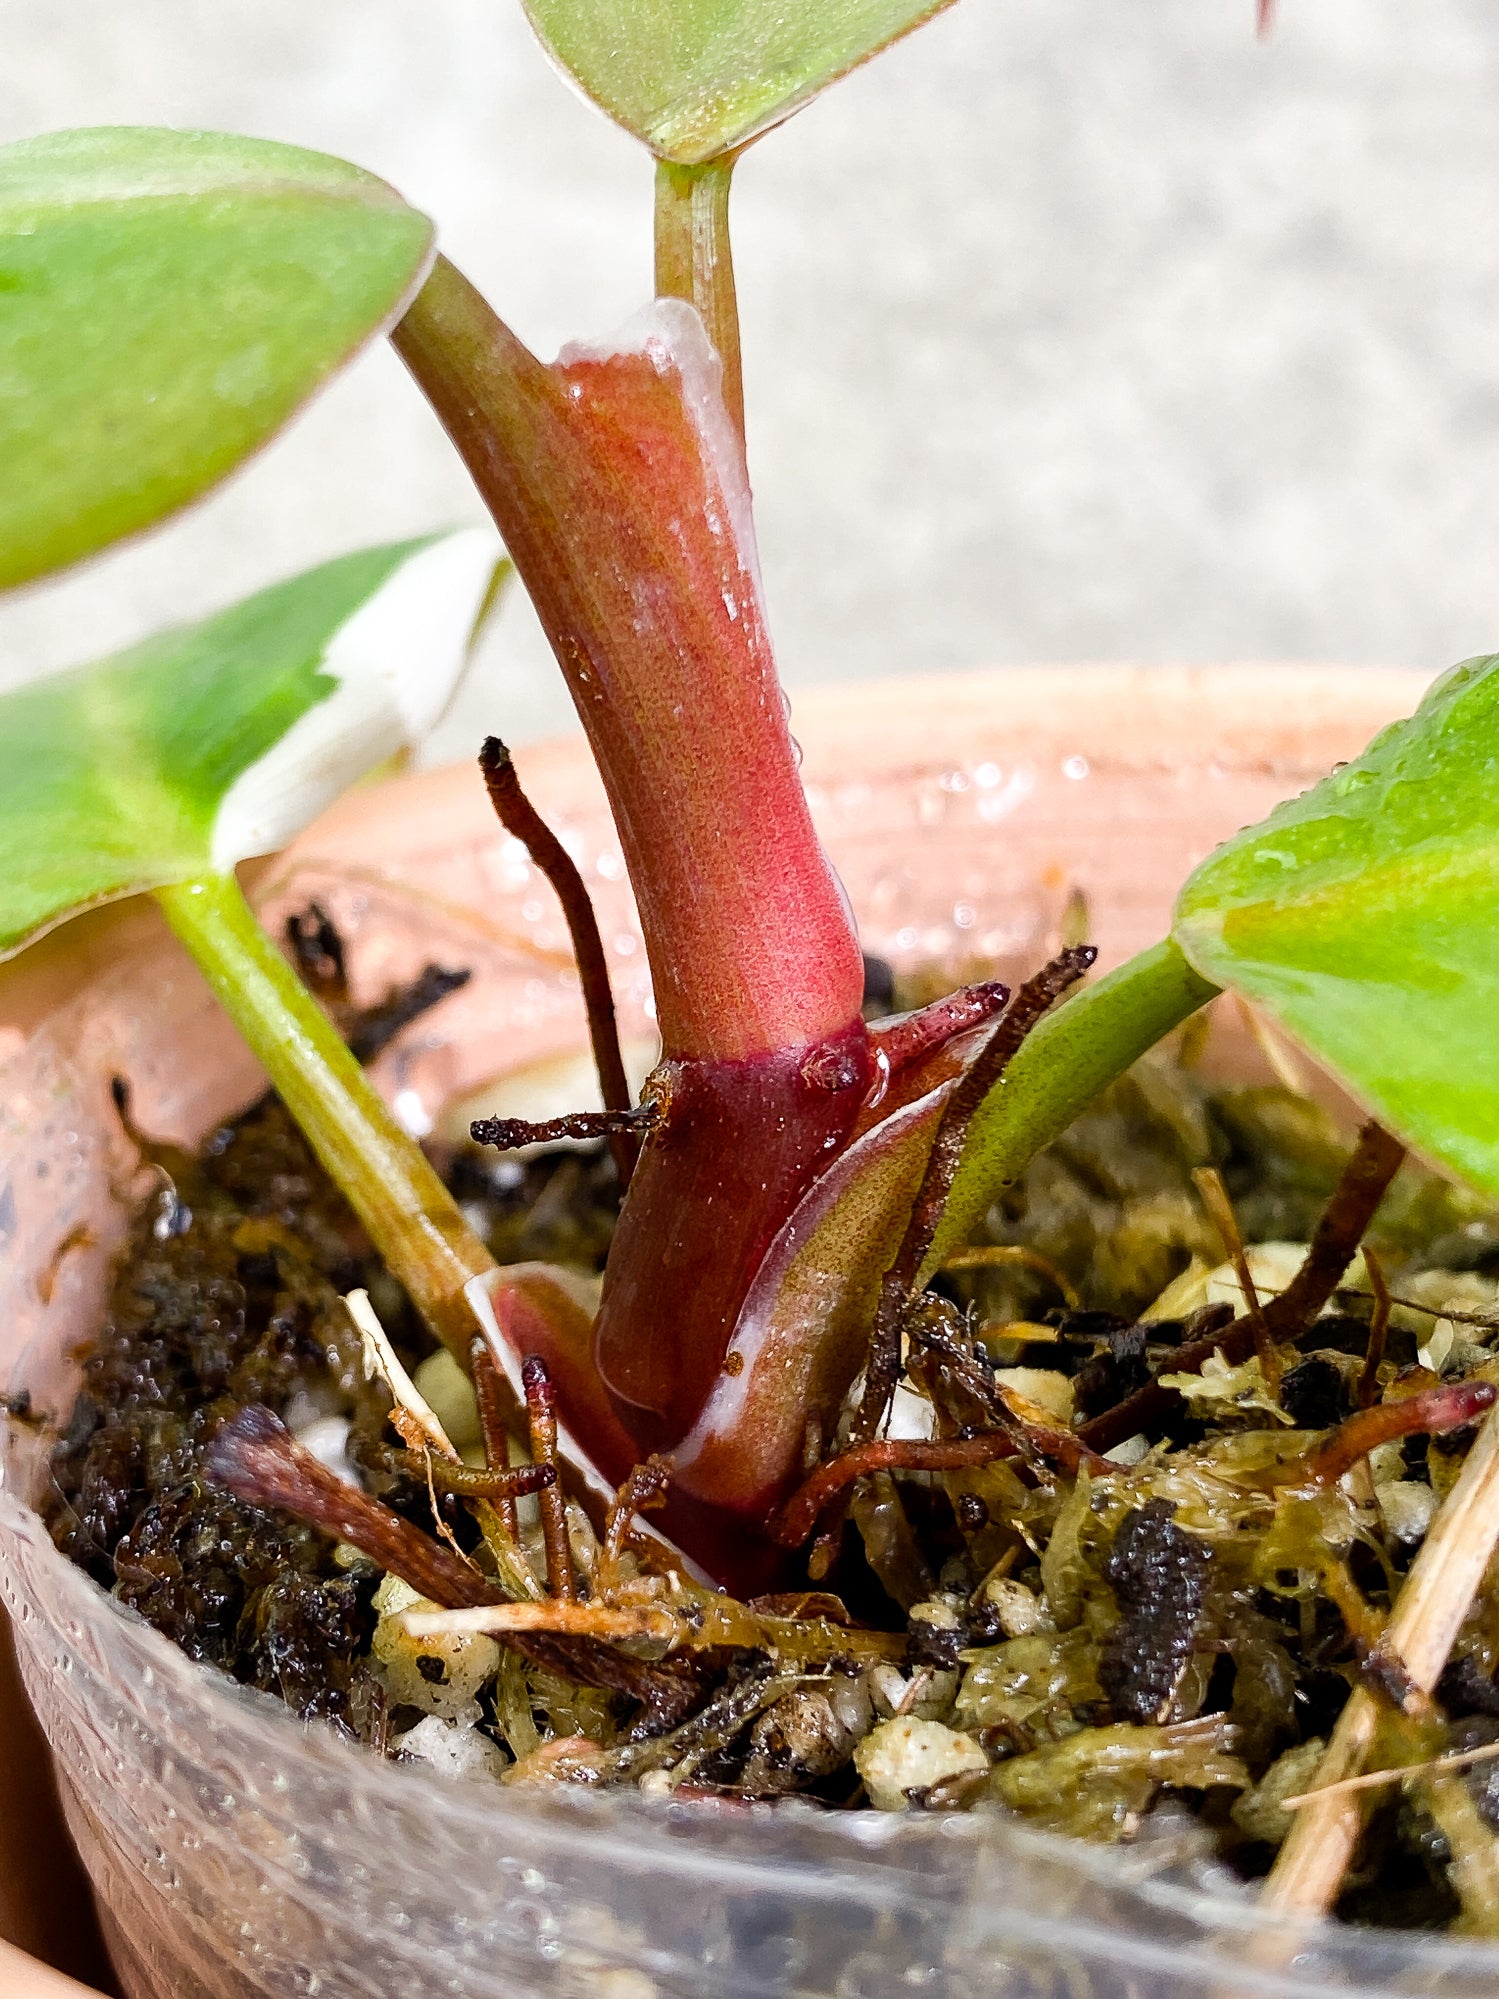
{"points": [[1159, 1577], [228, 1296]]}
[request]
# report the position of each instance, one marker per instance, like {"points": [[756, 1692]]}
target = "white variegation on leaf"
{"points": [[212, 743], [395, 664]]}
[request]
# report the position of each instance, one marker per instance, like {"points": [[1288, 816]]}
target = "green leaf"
{"points": [[1364, 916], [695, 78], [167, 300], [221, 740]]}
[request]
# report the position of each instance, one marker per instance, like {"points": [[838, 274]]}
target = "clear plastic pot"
{"points": [[235, 1852]]}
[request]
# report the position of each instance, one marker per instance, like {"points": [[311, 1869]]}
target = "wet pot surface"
{"points": [[235, 1852]]}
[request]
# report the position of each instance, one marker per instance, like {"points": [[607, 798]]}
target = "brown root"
{"points": [[520, 818], [799, 1515], [541, 1407], [897, 1291]]}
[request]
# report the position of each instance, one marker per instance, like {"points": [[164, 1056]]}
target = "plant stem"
{"points": [[694, 260], [899, 1288], [628, 521], [1058, 1070], [410, 1216], [1220, 1210]]}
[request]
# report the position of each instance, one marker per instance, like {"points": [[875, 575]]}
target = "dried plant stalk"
{"points": [[1379, 1327], [1214, 1195], [987, 1255], [417, 1422], [565, 1617], [380, 1358], [1427, 1617], [1400, 1773]]}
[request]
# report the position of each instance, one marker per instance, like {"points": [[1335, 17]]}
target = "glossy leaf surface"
{"points": [[1364, 916], [220, 740], [694, 78], [167, 300]]}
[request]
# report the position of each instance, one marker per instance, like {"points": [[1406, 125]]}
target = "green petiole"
{"points": [[382, 1171], [694, 260], [1060, 1068]]}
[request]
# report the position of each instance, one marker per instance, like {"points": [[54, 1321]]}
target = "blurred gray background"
{"points": [[1073, 329]]}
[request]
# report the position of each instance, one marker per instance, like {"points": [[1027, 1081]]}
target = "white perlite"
{"points": [[1408, 1508], [910, 1755], [1020, 1610], [441, 1674], [455, 1748]]}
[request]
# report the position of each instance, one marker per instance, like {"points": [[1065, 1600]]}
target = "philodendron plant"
{"points": [[167, 300]]}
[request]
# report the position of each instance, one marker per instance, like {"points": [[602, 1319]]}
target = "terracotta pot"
{"points": [[233, 1851]]}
